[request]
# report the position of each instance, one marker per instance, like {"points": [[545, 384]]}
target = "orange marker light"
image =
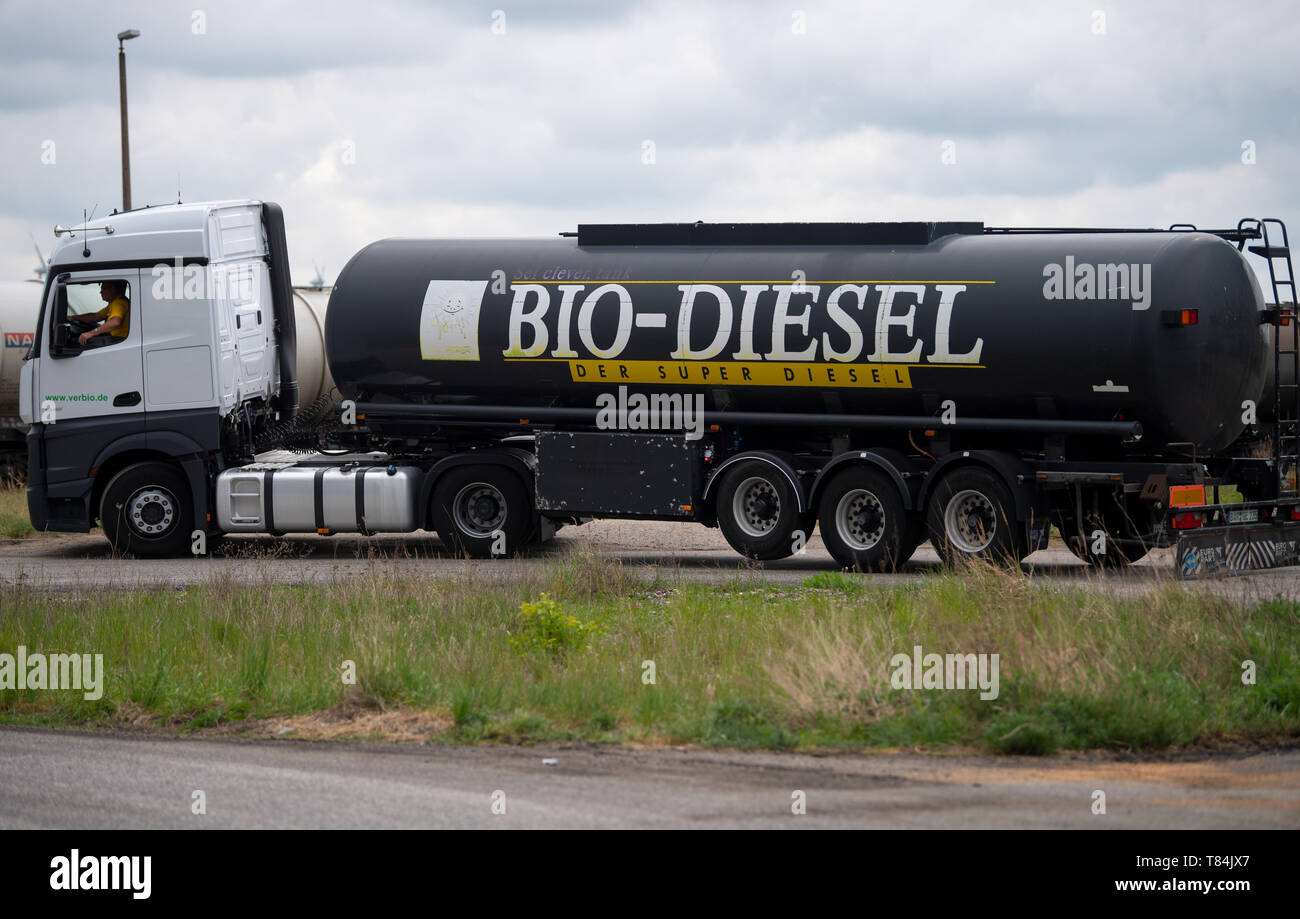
{"points": [[1186, 495]]}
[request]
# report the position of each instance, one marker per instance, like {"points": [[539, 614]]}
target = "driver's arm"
{"points": [[109, 324]]}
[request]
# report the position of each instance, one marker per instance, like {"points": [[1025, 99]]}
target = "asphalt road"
{"points": [[78, 781], [647, 548]]}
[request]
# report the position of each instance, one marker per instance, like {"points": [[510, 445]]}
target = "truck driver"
{"points": [[114, 319]]}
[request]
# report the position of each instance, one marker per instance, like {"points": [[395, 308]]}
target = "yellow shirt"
{"points": [[119, 307]]}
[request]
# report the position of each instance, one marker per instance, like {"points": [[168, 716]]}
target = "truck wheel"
{"points": [[863, 522], [482, 512], [147, 511], [758, 512], [973, 516]]}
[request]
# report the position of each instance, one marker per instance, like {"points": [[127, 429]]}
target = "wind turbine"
{"points": [[43, 265]]}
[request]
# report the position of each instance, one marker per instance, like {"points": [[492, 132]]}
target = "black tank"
{"points": [[1161, 328]]}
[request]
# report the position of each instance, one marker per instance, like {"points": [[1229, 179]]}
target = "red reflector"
{"points": [[1190, 316], [1188, 520]]}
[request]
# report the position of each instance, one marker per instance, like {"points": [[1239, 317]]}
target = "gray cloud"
{"points": [[461, 131]]}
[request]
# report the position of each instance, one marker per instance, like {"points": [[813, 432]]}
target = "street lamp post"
{"points": [[126, 146]]}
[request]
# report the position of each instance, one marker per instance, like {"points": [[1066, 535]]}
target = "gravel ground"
{"points": [[648, 548]]}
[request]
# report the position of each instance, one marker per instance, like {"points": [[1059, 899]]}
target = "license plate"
{"points": [[1244, 515]]}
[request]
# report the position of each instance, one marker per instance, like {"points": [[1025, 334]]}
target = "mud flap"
{"points": [[1233, 550]]}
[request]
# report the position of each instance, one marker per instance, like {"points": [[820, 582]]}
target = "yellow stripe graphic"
{"points": [[744, 373]]}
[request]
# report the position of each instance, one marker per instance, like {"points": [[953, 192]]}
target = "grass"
{"points": [[14, 523], [743, 665]]}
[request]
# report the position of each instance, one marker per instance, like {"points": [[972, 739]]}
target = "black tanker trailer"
{"points": [[883, 382], [887, 381]]}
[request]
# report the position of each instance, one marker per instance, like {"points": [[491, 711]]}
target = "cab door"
{"points": [[84, 398], [103, 380]]}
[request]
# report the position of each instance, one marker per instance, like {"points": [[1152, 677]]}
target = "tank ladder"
{"points": [[1275, 248]]}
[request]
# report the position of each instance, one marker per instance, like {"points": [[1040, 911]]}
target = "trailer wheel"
{"points": [[147, 511], [482, 512], [863, 522], [972, 515], [758, 512]]}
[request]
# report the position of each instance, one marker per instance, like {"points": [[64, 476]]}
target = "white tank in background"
{"points": [[19, 303], [314, 378]]}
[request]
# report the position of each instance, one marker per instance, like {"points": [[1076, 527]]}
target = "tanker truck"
{"points": [[886, 382]]}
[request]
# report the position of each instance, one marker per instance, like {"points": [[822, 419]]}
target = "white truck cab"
{"points": [[128, 426]]}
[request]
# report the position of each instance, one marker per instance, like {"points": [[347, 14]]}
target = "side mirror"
{"points": [[63, 342]]}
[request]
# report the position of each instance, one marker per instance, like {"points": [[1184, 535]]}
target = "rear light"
{"points": [[1187, 520], [1295, 513], [1186, 495]]}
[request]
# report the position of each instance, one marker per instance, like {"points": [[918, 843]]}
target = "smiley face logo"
{"points": [[453, 305]]}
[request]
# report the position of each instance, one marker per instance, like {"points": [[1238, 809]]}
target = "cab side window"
{"points": [[91, 314]]}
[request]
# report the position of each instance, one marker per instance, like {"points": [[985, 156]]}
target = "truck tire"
{"points": [[483, 512], [972, 516], [863, 523], [758, 512], [147, 511]]}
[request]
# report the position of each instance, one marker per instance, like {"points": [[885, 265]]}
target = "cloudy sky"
{"points": [[505, 118]]}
